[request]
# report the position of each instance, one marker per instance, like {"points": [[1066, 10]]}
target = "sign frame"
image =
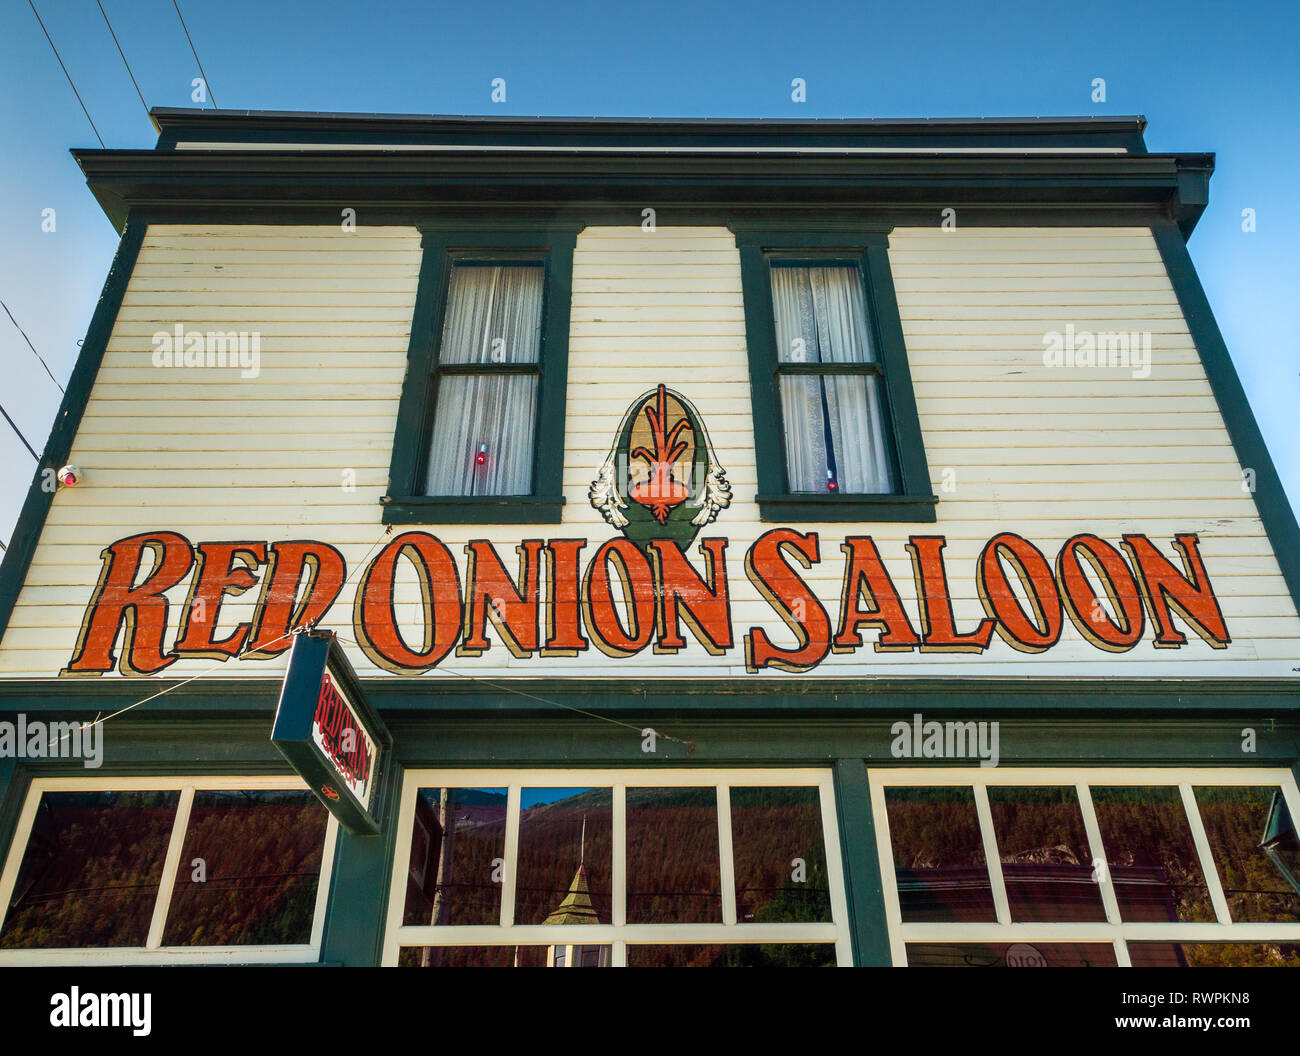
{"points": [[313, 656]]}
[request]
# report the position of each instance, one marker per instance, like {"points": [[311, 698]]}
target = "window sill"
{"points": [[835, 508], [472, 509]]}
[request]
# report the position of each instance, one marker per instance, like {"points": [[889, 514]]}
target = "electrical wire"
{"points": [[123, 54], [20, 433], [32, 5], [206, 83], [32, 347]]}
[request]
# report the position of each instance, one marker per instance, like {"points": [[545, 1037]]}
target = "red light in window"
{"points": [[831, 485], [481, 458]]}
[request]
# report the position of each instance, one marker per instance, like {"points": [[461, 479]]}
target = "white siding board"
{"points": [[1047, 453]]}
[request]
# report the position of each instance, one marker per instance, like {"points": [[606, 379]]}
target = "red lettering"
{"points": [[1187, 593], [939, 631], [684, 593], [865, 577], [791, 598], [141, 608], [374, 615]]}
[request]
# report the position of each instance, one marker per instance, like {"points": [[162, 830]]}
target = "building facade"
{"points": [[765, 543]]}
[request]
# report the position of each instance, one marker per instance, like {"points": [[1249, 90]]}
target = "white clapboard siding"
{"points": [[1013, 443]]}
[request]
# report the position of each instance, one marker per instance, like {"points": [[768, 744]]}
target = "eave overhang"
{"points": [[307, 185]]}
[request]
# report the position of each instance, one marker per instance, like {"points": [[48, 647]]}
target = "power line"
{"points": [[66, 74], [20, 433], [206, 83], [32, 347], [123, 54]]}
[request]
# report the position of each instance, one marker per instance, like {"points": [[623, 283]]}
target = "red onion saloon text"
{"points": [[620, 599]]}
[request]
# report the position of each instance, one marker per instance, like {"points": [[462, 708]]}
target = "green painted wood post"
{"points": [[862, 882]]}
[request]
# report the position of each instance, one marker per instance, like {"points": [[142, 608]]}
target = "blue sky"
{"points": [[1208, 76]]}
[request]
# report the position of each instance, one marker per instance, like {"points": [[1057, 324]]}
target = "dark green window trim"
{"points": [[551, 245], [759, 246]]}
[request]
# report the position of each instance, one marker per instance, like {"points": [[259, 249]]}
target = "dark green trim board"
{"points": [[546, 242], [220, 182], [760, 247], [1270, 497], [356, 912], [190, 125], [863, 888], [31, 520]]}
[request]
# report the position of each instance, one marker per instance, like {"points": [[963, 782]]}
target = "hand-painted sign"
{"points": [[329, 733], [661, 479], [629, 597]]}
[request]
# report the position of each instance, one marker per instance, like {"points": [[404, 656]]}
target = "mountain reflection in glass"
{"points": [[1256, 890], [91, 870], [939, 859], [1046, 861], [457, 857], [673, 875], [1150, 854], [250, 867], [780, 855], [565, 856]]}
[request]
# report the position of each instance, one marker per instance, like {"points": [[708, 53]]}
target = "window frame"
{"points": [[443, 246], [618, 933], [153, 952], [1114, 929], [760, 247]]}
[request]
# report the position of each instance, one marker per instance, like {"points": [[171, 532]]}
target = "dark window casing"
{"points": [[762, 244], [549, 244]]}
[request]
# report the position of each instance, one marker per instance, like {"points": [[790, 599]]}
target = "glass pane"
{"points": [[1046, 862], [821, 314], [494, 314], [1255, 886], [483, 435], [938, 855], [1213, 955], [780, 855], [473, 957], [90, 873], [673, 876], [458, 848], [760, 955], [1150, 854], [565, 856], [1011, 955], [835, 434], [249, 870]]}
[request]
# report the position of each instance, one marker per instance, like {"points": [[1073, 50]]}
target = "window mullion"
{"points": [[1090, 825], [726, 859], [171, 865], [618, 870], [991, 856], [514, 795], [1206, 855]]}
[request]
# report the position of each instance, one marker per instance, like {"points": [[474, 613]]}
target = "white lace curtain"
{"points": [[483, 425], [834, 424]]}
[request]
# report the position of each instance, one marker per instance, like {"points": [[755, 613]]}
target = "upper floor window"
{"points": [[832, 405], [486, 377], [836, 432]]}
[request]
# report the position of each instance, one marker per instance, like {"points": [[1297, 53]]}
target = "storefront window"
{"points": [[457, 847], [1120, 867], [610, 869], [166, 870]]}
